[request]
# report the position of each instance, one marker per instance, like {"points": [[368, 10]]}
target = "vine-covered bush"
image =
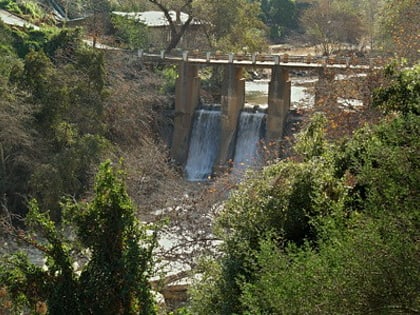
{"points": [[113, 249]]}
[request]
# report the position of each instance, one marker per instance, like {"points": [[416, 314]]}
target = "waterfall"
{"points": [[250, 133], [204, 145]]}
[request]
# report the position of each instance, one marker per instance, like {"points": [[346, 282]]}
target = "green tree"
{"points": [[228, 25], [61, 84], [131, 32], [280, 16], [401, 92], [232, 25], [68, 117], [114, 279], [16, 129]]}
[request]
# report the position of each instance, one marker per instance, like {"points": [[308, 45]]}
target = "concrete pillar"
{"points": [[279, 91], [324, 88], [233, 99], [187, 93]]}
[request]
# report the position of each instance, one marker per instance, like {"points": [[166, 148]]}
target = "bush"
{"points": [[114, 279], [335, 234], [131, 32]]}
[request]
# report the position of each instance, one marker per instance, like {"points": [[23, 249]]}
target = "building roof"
{"points": [[155, 18]]}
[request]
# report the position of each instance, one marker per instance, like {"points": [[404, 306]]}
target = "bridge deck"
{"points": [[268, 61]]}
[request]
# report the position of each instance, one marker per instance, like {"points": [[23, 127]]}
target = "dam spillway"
{"points": [[251, 132], [204, 145]]}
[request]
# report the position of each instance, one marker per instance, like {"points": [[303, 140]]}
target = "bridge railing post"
{"points": [[347, 62], [208, 55], [185, 55], [231, 56], [140, 53], [254, 58], [162, 54]]}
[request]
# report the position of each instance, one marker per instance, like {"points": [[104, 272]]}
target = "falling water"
{"points": [[204, 145], [250, 133]]}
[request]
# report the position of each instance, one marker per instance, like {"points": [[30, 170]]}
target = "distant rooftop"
{"points": [[154, 18]]}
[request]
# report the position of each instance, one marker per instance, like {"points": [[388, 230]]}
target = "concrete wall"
{"points": [[233, 99], [279, 91], [186, 100]]}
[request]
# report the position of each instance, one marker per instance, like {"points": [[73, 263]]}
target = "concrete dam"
{"points": [[206, 139]]}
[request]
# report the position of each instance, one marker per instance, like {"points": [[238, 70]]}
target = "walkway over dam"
{"points": [[233, 90]]}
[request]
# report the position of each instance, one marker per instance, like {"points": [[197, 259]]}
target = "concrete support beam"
{"points": [[279, 91], [187, 93], [233, 99]]}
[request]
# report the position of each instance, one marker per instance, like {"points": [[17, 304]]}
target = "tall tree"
{"points": [[233, 24], [279, 16], [329, 24], [99, 22], [219, 19]]}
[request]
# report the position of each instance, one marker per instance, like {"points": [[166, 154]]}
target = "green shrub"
{"points": [[114, 278], [335, 234], [170, 75], [130, 32]]}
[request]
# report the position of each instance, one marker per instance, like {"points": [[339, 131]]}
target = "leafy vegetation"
{"points": [[115, 248], [23, 8], [333, 230], [60, 115], [399, 28], [334, 233], [60, 100], [280, 16], [131, 32]]}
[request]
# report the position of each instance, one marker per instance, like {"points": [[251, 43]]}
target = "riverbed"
{"points": [[302, 92]]}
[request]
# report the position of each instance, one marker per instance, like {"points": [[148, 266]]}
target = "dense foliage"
{"points": [[115, 251], [29, 9], [131, 32], [280, 16], [52, 88], [334, 232]]}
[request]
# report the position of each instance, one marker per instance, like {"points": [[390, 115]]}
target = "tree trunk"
{"points": [[176, 34]]}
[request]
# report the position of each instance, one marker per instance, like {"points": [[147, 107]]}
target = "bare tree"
{"points": [[328, 25], [177, 27]]}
